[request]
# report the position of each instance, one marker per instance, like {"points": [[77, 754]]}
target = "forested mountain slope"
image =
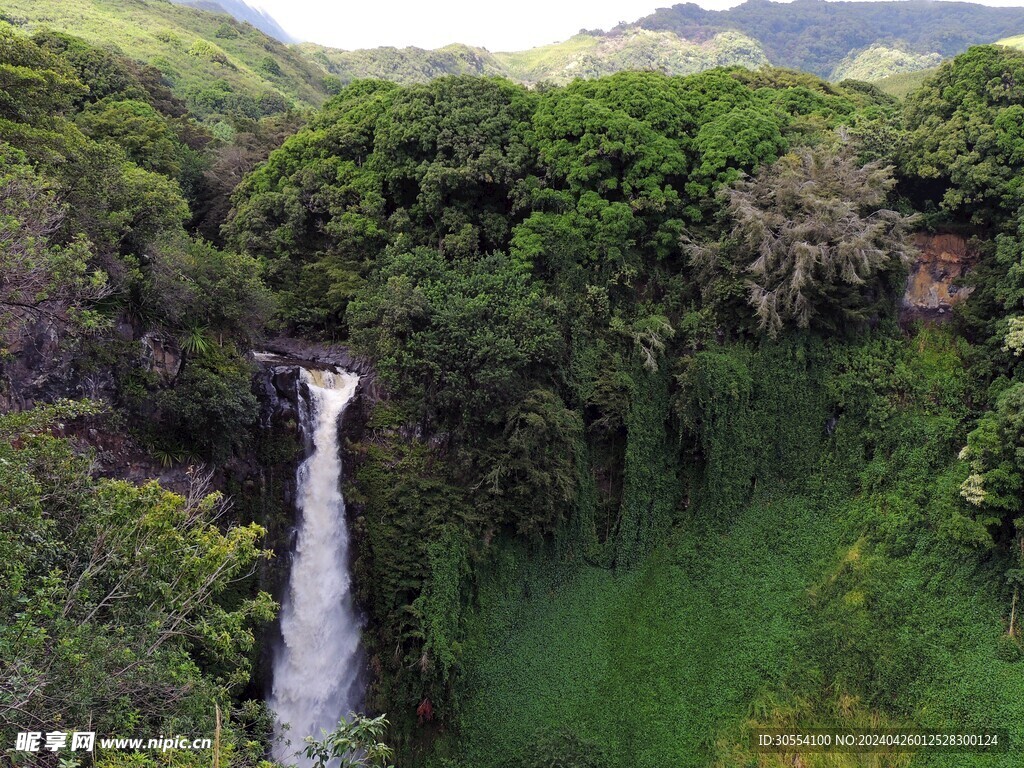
{"points": [[244, 12], [816, 35]]}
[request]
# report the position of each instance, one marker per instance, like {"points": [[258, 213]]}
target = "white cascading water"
{"points": [[316, 670]]}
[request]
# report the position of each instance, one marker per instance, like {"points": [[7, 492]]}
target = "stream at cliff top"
{"points": [[316, 668]]}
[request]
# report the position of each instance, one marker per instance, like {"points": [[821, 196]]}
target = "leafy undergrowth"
{"points": [[672, 664], [863, 598], [649, 664]]}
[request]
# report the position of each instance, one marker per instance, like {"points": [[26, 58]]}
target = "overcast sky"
{"points": [[498, 25]]}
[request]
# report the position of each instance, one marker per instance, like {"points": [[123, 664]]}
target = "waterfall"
{"points": [[316, 669]]}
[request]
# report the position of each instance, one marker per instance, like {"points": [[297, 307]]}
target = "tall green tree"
{"points": [[965, 144]]}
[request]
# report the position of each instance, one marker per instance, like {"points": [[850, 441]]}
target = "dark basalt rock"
{"points": [[277, 384], [319, 355], [39, 366]]}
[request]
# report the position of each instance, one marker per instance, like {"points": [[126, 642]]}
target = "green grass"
{"points": [[159, 33], [651, 664], [903, 85], [1017, 41]]}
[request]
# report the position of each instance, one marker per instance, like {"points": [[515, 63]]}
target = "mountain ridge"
{"points": [[816, 35], [243, 12], [834, 40], [225, 57]]}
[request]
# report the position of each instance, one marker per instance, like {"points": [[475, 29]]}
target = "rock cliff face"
{"points": [[37, 365], [276, 383], [933, 286]]}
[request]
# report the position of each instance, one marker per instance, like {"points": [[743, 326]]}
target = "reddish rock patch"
{"points": [[933, 286]]}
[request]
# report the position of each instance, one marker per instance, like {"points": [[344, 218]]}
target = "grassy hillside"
{"points": [[901, 85], [879, 61], [1017, 41], [217, 64], [243, 12]]}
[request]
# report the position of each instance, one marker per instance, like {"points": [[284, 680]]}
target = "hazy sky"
{"points": [[499, 25]]}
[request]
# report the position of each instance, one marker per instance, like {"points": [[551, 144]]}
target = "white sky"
{"points": [[498, 25]]}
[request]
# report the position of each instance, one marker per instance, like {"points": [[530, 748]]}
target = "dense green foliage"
{"points": [[112, 613], [356, 743], [597, 479], [872, 611], [94, 228], [965, 128], [122, 607]]}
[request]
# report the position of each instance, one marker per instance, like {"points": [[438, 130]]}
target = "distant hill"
{"points": [[592, 56], [879, 61], [901, 84], [819, 36], [584, 55], [216, 63], [242, 11], [834, 40], [403, 65], [227, 58]]}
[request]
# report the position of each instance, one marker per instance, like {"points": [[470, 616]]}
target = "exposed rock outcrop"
{"points": [[934, 283], [38, 365], [276, 384], [162, 356]]}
